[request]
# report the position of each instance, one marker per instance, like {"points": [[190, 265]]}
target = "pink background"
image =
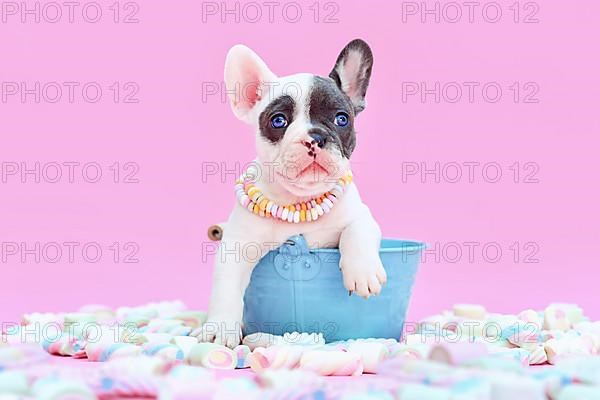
{"points": [[171, 132]]}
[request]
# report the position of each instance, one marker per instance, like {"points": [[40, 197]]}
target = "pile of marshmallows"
{"points": [[560, 331], [147, 351]]}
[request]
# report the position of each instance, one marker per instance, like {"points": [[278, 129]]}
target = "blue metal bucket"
{"points": [[296, 289]]}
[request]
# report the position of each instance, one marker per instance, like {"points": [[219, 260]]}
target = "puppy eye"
{"points": [[341, 119], [279, 121]]}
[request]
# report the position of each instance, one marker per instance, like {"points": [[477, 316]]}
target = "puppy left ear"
{"points": [[246, 75], [352, 72]]}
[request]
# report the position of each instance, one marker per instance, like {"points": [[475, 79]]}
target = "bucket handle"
{"points": [[295, 261]]}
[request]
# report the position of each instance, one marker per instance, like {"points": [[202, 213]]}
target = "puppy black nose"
{"points": [[318, 138]]}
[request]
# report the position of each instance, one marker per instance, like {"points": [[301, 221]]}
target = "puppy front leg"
{"points": [[359, 260], [234, 264]]}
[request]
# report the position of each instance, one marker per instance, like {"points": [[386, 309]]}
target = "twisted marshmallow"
{"points": [[170, 326], [104, 351], [65, 346], [148, 338], [103, 314], [164, 350], [336, 363], [185, 343], [557, 349], [275, 357], [370, 353], [193, 319], [132, 376]]}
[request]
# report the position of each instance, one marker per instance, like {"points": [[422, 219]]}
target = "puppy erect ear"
{"points": [[352, 72], [245, 75]]}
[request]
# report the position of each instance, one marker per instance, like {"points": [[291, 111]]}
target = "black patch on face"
{"points": [[281, 105], [325, 102]]}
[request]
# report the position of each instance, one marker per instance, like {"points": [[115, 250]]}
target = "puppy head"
{"points": [[304, 123]]}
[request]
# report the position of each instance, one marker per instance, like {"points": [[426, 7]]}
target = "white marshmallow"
{"points": [[556, 318], [557, 349], [185, 343], [537, 355], [13, 382], [371, 354], [579, 392], [469, 311]]}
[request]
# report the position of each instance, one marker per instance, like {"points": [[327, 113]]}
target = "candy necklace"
{"points": [[251, 198]]}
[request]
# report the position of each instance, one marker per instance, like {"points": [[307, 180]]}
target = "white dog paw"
{"points": [[227, 332], [363, 276]]}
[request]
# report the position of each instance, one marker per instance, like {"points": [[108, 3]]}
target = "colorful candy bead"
{"points": [[251, 198]]}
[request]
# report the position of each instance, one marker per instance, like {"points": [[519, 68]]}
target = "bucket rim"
{"points": [[411, 246]]}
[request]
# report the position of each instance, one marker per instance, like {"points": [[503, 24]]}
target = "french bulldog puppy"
{"points": [[304, 127]]}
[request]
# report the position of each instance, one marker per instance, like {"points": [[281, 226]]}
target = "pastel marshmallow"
{"points": [[65, 346], [458, 353], [193, 319], [56, 389], [573, 311], [537, 355], [275, 357], [422, 392], [558, 349], [164, 350], [371, 354], [149, 338], [579, 392], [556, 318], [14, 382], [242, 352], [108, 351], [469, 311], [336, 363], [531, 316], [211, 355], [185, 343], [76, 323]]}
